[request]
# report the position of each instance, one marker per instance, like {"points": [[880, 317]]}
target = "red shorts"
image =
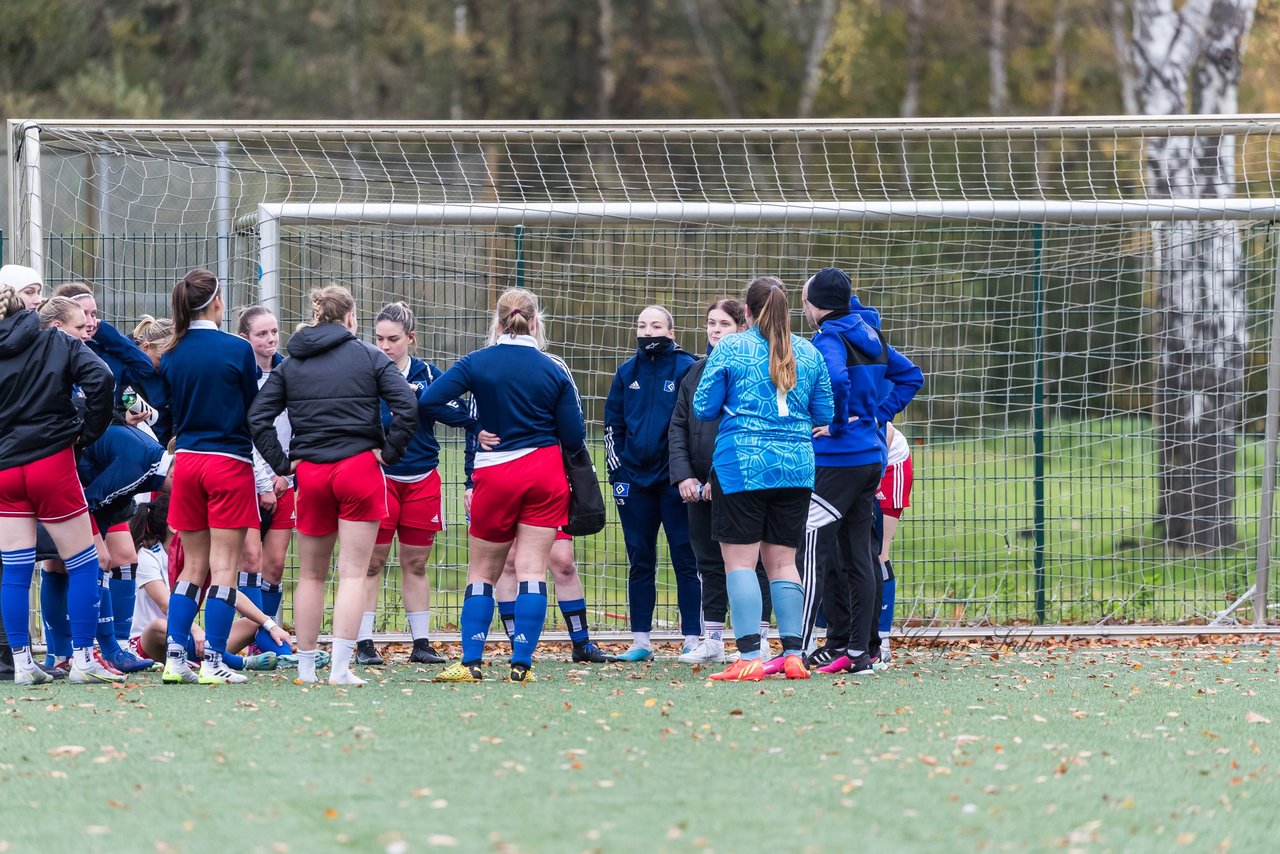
{"points": [[177, 560], [46, 489], [413, 512], [212, 491], [894, 493], [353, 489], [120, 528], [561, 535], [285, 515], [531, 490]]}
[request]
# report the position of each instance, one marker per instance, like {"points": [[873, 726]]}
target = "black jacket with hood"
{"points": [[332, 384], [692, 442], [40, 372]]}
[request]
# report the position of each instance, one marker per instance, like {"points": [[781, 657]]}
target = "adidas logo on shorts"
{"points": [[436, 518]]}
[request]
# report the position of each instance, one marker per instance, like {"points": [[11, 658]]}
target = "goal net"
{"points": [[1090, 301]]}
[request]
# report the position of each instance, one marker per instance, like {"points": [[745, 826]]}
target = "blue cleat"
{"points": [[635, 653]]}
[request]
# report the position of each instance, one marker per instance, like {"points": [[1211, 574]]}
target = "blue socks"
{"points": [[788, 605], [745, 609], [183, 605], [477, 614], [250, 587], [124, 593], [575, 617], [531, 616], [106, 620], [82, 596], [886, 606], [53, 608], [219, 614], [235, 662], [15, 595], [507, 613], [272, 596]]}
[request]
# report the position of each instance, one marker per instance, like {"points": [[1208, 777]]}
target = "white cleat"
{"points": [[92, 673], [705, 651], [220, 674], [30, 676]]}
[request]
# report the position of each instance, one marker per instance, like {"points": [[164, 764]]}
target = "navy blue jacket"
{"points": [[210, 381], [129, 365], [637, 414], [115, 468], [423, 453]]}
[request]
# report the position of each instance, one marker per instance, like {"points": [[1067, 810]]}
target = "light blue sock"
{"points": [[477, 615], [531, 616], [788, 605], [745, 607]]}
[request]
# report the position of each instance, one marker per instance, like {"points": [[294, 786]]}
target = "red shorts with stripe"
{"points": [[353, 489], [413, 512], [212, 491], [894, 493], [284, 517], [121, 528], [531, 490], [46, 489]]}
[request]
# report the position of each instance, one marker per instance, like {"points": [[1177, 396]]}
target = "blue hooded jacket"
{"points": [[423, 453], [637, 414], [856, 359], [901, 381]]}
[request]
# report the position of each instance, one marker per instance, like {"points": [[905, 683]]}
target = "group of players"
{"points": [[337, 441]]}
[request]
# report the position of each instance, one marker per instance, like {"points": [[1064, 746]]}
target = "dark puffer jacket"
{"points": [[38, 368], [692, 442], [332, 384]]}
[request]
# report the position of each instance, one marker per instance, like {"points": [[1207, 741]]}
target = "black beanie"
{"points": [[830, 288]]}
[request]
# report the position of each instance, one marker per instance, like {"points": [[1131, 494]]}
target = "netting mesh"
{"points": [[1046, 441]]}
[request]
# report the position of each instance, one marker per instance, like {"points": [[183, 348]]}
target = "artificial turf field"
{"points": [[1091, 748]]}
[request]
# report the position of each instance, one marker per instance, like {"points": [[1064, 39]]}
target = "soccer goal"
{"points": [[1091, 301]]}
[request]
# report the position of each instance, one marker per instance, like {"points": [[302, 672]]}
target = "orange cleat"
{"points": [[793, 667], [741, 670]]}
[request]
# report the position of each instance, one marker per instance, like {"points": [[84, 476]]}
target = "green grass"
{"points": [[1133, 749]]}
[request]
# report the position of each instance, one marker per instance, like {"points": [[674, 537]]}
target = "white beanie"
{"points": [[18, 277]]}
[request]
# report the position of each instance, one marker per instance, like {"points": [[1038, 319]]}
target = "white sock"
{"points": [[307, 665], [366, 626], [419, 624], [764, 632], [22, 658], [691, 640], [345, 678], [82, 657], [342, 650], [715, 631], [641, 640]]}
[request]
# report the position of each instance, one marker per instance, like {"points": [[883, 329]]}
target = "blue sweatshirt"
{"points": [[423, 453], [520, 394], [765, 439], [129, 365], [637, 413], [121, 464], [856, 359], [210, 380], [902, 380]]}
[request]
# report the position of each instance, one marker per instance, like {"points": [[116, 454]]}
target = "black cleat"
{"points": [[55, 672], [367, 654], [425, 653], [588, 653], [822, 656]]}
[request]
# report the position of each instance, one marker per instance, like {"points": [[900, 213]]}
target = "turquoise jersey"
{"points": [[765, 439]]}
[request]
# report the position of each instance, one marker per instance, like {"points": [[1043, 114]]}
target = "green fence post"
{"points": [[519, 256], [1037, 412]]}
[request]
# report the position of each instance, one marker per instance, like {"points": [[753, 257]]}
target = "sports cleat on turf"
{"points": [[822, 656], [521, 673], [635, 653], [287, 661], [322, 659], [178, 672], [425, 653], [53, 670], [346, 678], [459, 672], [30, 676], [105, 664], [705, 651], [588, 653], [367, 654], [261, 661], [96, 671], [127, 662], [793, 667], [742, 670], [775, 665], [220, 674]]}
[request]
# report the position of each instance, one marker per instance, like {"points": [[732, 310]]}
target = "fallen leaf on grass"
{"points": [[67, 750], [441, 840], [330, 813], [1255, 718], [1186, 838], [97, 830]]}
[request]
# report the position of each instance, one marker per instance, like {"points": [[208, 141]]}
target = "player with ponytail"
{"points": [[769, 388]]}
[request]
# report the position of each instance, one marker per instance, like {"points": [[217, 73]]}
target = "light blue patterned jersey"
{"points": [[765, 439]]}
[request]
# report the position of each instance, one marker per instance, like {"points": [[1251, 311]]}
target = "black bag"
{"points": [[586, 503]]}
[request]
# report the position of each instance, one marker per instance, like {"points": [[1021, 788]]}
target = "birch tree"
{"points": [[1189, 60]]}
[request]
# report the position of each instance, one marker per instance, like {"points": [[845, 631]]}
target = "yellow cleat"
{"points": [[459, 672]]}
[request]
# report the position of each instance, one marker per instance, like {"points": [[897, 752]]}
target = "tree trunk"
{"points": [[607, 79], [910, 107], [1118, 19], [813, 63], [1058, 91], [1200, 327], [459, 58], [998, 99], [718, 78]]}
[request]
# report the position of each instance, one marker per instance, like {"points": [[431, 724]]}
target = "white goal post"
{"points": [[1045, 274]]}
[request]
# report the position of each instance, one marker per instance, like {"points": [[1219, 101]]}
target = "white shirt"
{"points": [[899, 448], [153, 567]]}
